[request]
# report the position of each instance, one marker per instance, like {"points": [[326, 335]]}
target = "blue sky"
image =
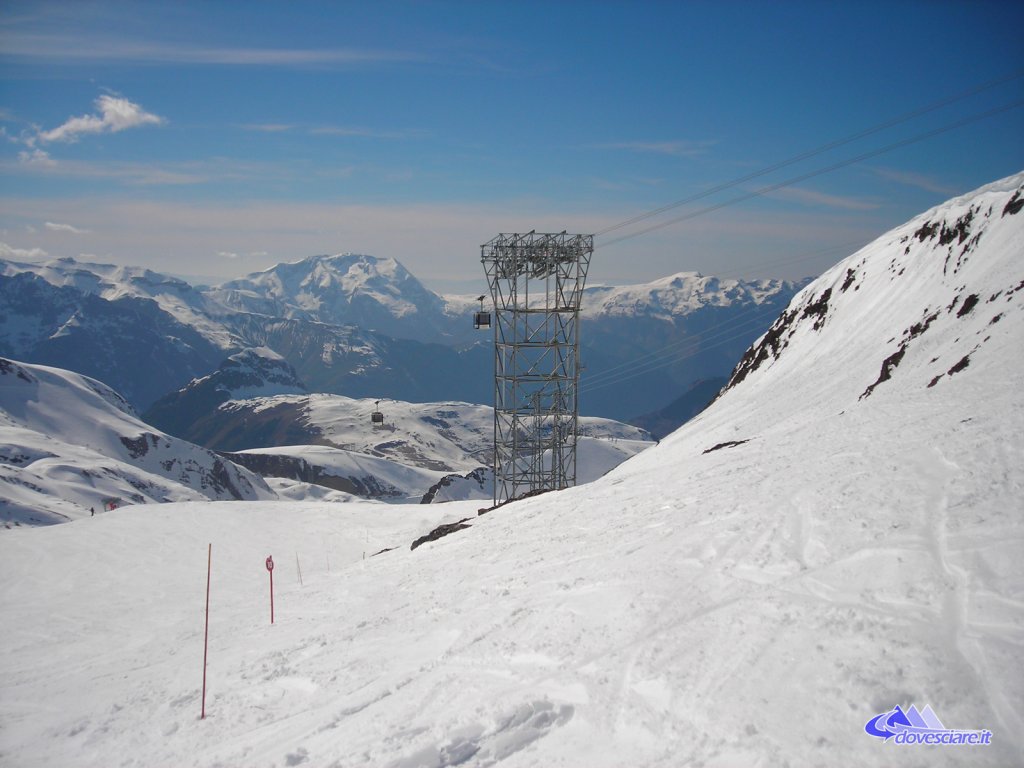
{"points": [[221, 138]]}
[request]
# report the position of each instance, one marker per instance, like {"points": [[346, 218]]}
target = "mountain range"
{"points": [[365, 327]]}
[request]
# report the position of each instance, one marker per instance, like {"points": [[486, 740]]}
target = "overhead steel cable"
{"points": [[814, 152], [694, 346], [725, 326], [741, 318], [819, 172]]}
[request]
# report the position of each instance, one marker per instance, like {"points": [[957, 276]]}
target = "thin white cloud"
{"points": [[9, 252], [268, 127], [66, 47], [672, 148], [918, 180], [56, 227], [815, 198], [115, 114], [340, 130], [134, 174], [228, 254]]}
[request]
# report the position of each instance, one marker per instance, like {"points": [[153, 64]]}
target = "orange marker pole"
{"points": [[206, 632]]}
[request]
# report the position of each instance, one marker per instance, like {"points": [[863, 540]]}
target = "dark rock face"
{"points": [[440, 532], [479, 476], [247, 372], [293, 468]]}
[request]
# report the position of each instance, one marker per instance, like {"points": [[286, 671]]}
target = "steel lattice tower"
{"points": [[536, 282]]}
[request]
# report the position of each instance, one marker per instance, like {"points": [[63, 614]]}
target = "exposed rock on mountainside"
{"points": [[250, 373]]}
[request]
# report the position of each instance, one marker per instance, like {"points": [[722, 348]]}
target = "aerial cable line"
{"points": [[694, 346], [744, 319], [739, 317], [677, 358], [820, 171], [814, 152]]}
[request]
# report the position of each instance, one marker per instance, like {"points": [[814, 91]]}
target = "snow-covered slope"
{"points": [[449, 436], [797, 560], [69, 444], [417, 446]]}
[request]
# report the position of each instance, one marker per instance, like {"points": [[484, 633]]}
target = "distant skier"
{"points": [[92, 511]]}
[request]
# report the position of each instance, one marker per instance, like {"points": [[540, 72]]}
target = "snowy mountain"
{"points": [[178, 299], [644, 346], [447, 435], [128, 341], [252, 372], [345, 289], [364, 327], [330, 440], [69, 444], [838, 535]]}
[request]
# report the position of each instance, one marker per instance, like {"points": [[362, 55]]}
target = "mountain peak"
{"points": [[341, 289]]}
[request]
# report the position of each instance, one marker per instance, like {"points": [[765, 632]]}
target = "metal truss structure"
{"points": [[536, 282]]}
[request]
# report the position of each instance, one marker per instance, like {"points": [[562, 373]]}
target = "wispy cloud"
{"points": [[68, 47], [336, 130], [823, 199], [115, 114], [672, 148], [9, 252], [340, 130], [918, 180], [135, 174], [269, 127], [55, 227]]}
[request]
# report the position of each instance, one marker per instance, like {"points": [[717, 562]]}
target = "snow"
{"points": [[668, 297], [111, 282], [449, 436], [750, 592], [69, 444]]}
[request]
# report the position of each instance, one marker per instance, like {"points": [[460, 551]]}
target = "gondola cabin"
{"points": [[377, 417], [481, 319]]}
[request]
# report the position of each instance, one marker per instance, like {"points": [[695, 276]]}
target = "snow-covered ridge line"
{"points": [[70, 446]]}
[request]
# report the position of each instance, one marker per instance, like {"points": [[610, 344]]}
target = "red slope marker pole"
{"points": [[270, 568], [206, 632]]}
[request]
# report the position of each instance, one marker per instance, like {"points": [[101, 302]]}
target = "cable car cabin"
{"points": [[481, 319], [376, 418]]}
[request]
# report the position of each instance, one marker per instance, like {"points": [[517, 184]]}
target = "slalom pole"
{"points": [[206, 632], [299, 567]]}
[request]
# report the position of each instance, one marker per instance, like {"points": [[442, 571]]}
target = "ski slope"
{"points": [[838, 534]]}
